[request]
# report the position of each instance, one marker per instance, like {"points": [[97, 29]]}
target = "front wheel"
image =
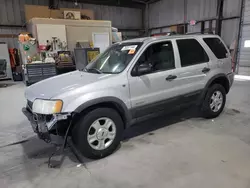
{"points": [[98, 133], [214, 102]]}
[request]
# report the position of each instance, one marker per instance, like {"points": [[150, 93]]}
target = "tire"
{"points": [[92, 126], [208, 111]]}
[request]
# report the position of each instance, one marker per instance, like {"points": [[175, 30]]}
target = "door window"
{"points": [[217, 47], [191, 52], [159, 56]]}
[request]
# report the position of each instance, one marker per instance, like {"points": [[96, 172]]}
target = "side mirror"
{"points": [[144, 68]]}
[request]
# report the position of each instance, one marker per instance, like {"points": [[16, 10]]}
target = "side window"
{"points": [[159, 56], [217, 47], [191, 52]]}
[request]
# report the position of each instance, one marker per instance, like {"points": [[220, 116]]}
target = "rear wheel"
{"points": [[214, 101], [98, 133]]}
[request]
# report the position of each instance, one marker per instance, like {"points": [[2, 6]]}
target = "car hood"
{"points": [[54, 86]]}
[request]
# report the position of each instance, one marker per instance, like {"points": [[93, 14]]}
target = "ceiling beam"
{"points": [[119, 3]]}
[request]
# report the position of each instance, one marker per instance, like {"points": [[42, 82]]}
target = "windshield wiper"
{"points": [[93, 69]]}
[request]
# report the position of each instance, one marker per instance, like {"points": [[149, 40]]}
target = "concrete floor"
{"points": [[244, 71], [177, 151]]}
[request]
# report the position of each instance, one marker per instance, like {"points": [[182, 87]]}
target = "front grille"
{"points": [[29, 104]]}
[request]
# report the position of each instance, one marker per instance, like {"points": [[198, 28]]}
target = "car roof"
{"points": [[156, 38]]}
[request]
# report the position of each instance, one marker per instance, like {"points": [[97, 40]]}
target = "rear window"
{"points": [[191, 52], [217, 47]]}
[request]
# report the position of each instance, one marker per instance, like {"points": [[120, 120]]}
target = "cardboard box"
{"points": [[35, 11]]}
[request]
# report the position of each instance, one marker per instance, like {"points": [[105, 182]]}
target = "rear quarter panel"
{"points": [[216, 66]]}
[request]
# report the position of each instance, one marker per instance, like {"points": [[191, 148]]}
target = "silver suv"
{"points": [[130, 80]]}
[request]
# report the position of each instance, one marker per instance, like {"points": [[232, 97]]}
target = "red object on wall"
{"points": [[42, 47], [192, 22]]}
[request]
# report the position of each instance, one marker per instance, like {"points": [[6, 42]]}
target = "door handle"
{"points": [[205, 70], [171, 77]]}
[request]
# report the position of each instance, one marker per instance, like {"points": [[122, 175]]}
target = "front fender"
{"points": [[89, 100], [101, 100], [76, 104]]}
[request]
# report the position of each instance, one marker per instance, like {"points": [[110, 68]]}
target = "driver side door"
{"points": [[153, 91]]}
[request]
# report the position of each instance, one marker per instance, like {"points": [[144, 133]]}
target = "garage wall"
{"points": [[244, 54], [12, 13], [165, 13], [162, 12], [232, 26], [231, 8], [201, 9], [168, 12], [12, 42]]}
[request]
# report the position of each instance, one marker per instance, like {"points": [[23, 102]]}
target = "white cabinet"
{"points": [[47, 32]]}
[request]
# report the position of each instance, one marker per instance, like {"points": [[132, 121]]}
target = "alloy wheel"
{"points": [[101, 133], [216, 101]]}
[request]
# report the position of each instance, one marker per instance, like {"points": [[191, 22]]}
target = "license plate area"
{"points": [[38, 124]]}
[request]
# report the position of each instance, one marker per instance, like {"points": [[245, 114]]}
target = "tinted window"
{"points": [[217, 47], [191, 52], [160, 56]]}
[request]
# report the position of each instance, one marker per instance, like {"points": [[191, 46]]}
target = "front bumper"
{"points": [[39, 125], [45, 125]]}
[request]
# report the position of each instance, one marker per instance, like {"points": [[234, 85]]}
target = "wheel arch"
{"points": [[219, 79], [110, 102]]}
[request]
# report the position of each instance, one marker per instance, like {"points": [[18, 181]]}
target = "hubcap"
{"points": [[101, 133], [216, 101]]}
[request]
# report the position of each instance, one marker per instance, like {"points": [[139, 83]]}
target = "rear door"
{"points": [[194, 68]]}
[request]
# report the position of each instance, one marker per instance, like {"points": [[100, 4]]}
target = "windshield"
{"points": [[115, 59]]}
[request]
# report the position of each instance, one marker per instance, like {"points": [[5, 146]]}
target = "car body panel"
{"points": [[54, 86], [109, 87], [78, 87]]}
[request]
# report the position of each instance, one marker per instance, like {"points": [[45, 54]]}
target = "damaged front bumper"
{"points": [[45, 125]]}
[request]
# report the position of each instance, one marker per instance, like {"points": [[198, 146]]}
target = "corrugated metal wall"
{"points": [[12, 13], [12, 42], [168, 12], [231, 8], [201, 9], [121, 17], [230, 28], [229, 31], [244, 54]]}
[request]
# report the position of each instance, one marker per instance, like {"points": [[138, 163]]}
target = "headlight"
{"points": [[47, 106]]}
